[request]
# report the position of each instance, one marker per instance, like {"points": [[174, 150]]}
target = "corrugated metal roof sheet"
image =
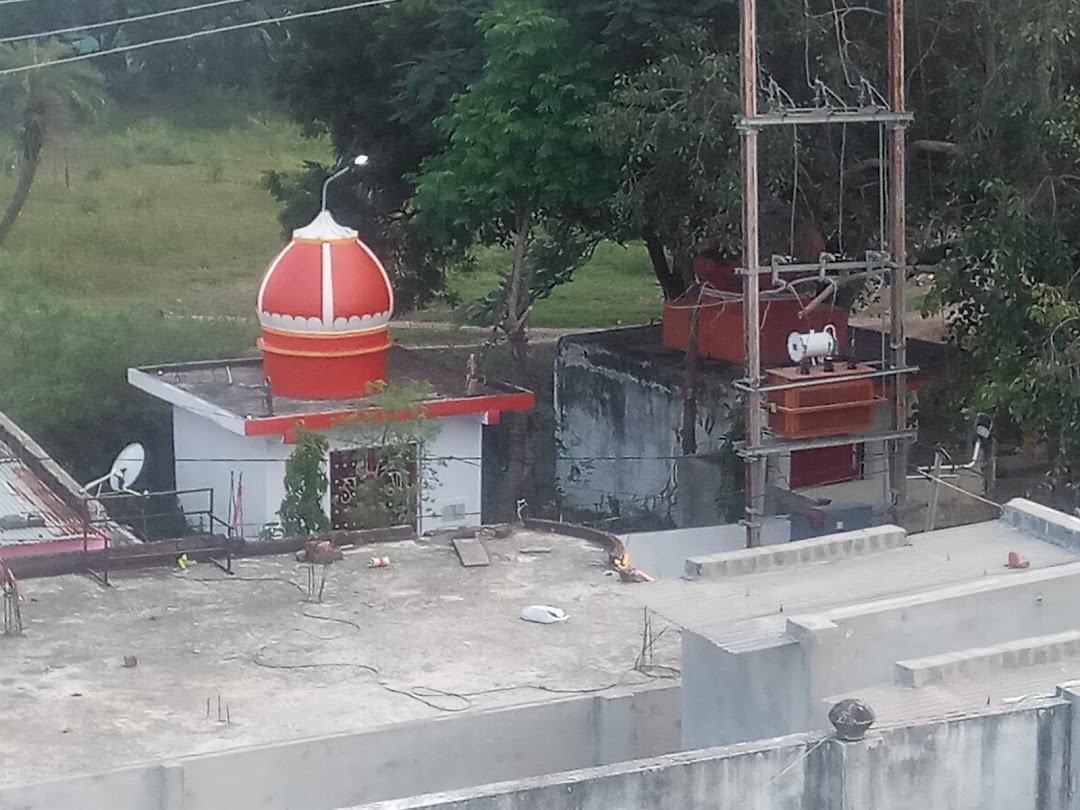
{"points": [[746, 612], [22, 493]]}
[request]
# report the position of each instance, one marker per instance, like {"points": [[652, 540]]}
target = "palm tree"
{"points": [[43, 99]]}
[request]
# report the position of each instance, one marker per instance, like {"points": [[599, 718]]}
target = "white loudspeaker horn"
{"points": [[812, 345]]}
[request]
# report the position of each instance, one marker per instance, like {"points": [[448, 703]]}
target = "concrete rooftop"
{"points": [[283, 668], [236, 386], [751, 610]]}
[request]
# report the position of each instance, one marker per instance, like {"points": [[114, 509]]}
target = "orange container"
{"points": [[720, 326], [837, 408], [823, 421]]}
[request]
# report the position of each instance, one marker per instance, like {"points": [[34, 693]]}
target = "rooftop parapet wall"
{"points": [[1014, 760], [393, 761], [804, 552], [984, 661], [1043, 522]]}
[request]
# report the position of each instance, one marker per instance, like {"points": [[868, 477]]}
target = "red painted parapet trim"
{"points": [[437, 409]]}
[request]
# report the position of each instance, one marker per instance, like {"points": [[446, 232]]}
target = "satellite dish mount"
{"points": [[125, 471]]}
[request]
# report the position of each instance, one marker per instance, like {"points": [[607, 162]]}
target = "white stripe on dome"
{"points": [[327, 285], [325, 227], [385, 275], [266, 277]]}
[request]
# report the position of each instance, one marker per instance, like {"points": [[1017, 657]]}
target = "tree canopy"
{"points": [[993, 185], [521, 152]]}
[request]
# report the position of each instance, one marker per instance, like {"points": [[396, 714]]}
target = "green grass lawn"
{"points": [[159, 212], [616, 287]]}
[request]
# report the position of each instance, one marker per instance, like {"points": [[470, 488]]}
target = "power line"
{"points": [[12, 2], [194, 35], [90, 26]]}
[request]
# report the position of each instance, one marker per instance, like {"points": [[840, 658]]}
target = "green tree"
{"points": [[522, 154], [1000, 151], [43, 99], [672, 124], [377, 81], [306, 484]]}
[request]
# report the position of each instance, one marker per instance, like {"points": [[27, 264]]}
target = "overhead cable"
{"points": [[194, 35], [91, 26]]}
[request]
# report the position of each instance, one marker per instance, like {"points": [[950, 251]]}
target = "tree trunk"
{"points": [[516, 317], [515, 325], [27, 171], [671, 282], [689, 422]]}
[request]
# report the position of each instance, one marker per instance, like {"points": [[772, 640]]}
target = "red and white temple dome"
{"points": [[324, 309]]}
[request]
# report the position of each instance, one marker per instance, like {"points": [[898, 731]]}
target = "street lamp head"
{"points": [[359, 160]]}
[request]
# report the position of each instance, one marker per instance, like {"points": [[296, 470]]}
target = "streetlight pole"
{"points": [[359, 160]]}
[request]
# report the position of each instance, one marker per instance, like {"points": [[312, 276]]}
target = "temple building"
{"points": [[327, 364]]}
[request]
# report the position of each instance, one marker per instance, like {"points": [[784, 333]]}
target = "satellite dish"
{"points": [[125, 470], [128, 467]]}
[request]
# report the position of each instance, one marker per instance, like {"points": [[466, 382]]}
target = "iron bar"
{"points": [[755, 418], [776, 447], [742, 385], [811, 267], [898, 251], [824, 115]]}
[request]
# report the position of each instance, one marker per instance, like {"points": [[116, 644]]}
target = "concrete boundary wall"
{"points": [[822, 549], [1012, 760], [389, 762], [981, 661], [1043, 522]]}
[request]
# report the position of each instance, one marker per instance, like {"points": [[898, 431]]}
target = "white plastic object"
{"points": [[544, 614], [812, 345]]}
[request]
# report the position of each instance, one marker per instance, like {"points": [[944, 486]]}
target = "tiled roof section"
{"points": [[38, 501]]}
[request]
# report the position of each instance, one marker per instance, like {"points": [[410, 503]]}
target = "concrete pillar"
{"points": [[1072, 755], [820, 640], [172, 786]]}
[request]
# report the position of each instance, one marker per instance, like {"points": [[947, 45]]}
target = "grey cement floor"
{"points": [[251, 642]]}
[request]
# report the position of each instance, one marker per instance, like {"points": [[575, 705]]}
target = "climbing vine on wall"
{"points": [[396, 470], [306, 484]]}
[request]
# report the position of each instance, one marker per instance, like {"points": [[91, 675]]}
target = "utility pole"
{"points": [[756, 465], [889, 262], [898, 450]]}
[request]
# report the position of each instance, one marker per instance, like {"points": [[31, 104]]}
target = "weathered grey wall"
{"points": [[618, 421], [789, 680], [1012, 760], [1005, 761], [384, 763]]}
